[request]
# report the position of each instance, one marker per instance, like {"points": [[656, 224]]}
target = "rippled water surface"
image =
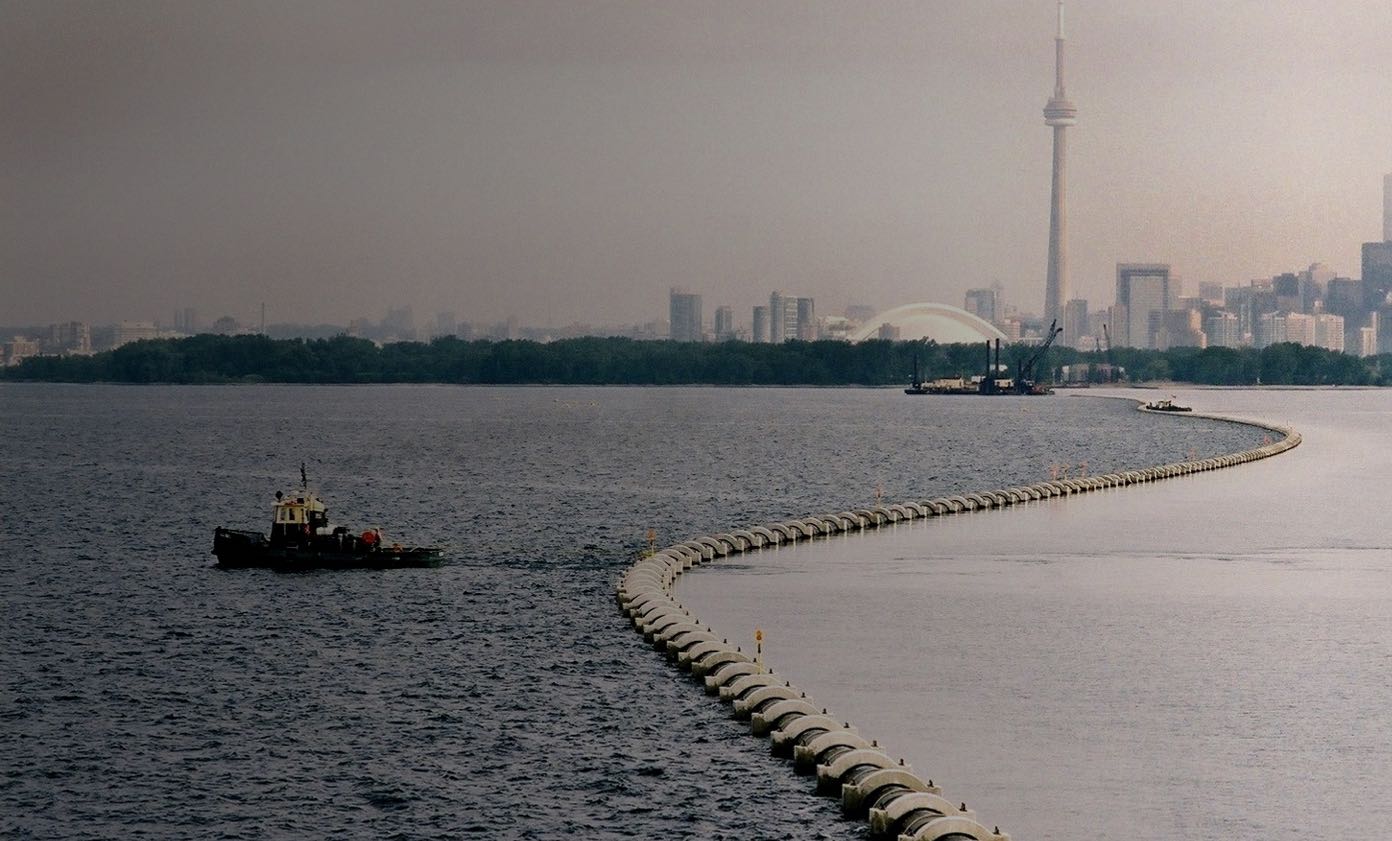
{"points": [[148, 694]]}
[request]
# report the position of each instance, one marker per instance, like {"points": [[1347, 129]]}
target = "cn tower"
{"points": [[1060, 113]]}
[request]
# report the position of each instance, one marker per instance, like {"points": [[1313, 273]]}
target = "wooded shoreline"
{"points": [[210, 359]]}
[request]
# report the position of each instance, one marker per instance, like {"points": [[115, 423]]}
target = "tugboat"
{"points": [[1166, 406], [303, 539]]}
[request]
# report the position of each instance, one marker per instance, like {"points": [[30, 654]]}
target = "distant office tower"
{"points": [[806, 319], [1270, 329], [685, 316], [1344, 297], [982, 304], [1059, 113], [1211, 292], [1221, 330], [1377, 287], [724, 323], [761, 324], [1329, 331], [1289, 292], [1315, 285], [1180, 328], [1075, 323], [889, 332], [1377, 273], [783, 315], [1144, 290], [1387, 208]]}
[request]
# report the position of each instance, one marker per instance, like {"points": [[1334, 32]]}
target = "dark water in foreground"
{"points": [[145, 694]]}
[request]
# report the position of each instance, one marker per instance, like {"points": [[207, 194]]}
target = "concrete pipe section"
{"points": [[870, 782]]}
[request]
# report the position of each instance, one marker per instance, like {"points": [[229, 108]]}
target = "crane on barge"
{"points": [[1024, 371]]}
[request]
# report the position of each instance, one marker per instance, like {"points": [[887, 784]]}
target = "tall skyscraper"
{"points": [[724, 323], [1377, 287], [1142, 294], [1075, 322], [806, 319], [1221, 329], [783, 317], [760, 322], [1059, 113], [776, 312], [981, 303], [685, 312]]}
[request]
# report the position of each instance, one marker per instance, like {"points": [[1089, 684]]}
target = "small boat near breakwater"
{"points": [[302, 538], [1166, 406]]}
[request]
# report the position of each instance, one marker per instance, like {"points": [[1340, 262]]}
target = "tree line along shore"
{"points": [[619, 361]]}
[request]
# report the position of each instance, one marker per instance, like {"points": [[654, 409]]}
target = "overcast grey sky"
{"points": [[565, 161]]}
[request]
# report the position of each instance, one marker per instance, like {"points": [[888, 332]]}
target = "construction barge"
{"points": [[991, 383]]}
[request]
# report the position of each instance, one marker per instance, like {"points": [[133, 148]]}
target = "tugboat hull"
{"points": [[242, 549]]}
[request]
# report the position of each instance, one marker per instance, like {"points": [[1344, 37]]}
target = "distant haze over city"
{"points": [[573, 161]]}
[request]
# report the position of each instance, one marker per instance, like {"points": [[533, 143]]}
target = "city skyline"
{"points": [[573, 163]]}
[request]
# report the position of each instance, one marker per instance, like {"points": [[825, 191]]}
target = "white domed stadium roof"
{"points": [[939, 322]]}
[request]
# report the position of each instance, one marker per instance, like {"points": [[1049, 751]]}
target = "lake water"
{"points": [[1206, 657], [144, 693]]}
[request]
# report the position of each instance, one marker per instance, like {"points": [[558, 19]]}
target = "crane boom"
{"points": [[1025, 372]]}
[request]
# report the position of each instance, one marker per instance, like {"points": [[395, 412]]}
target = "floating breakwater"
{"points": [[870, 783]]}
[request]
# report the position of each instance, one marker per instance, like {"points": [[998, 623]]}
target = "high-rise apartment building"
{"points": [[685, 316], [133, 331], [760, 323], [724, 323], [1143, 289], [1221, 330], [1300, 328], [1329, 331], [70, 337]]}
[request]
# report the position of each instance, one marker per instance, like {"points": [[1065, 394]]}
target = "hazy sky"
{"points": [[571, 160]]}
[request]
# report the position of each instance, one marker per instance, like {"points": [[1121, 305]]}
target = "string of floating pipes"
{"points": [[897, 803]]}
